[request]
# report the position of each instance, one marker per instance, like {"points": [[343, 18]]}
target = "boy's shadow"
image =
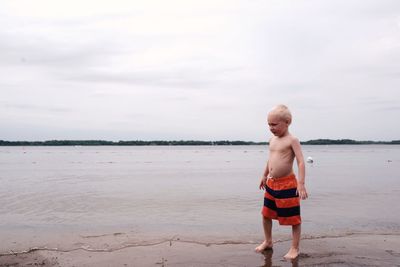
{"points": [[268, 259]]}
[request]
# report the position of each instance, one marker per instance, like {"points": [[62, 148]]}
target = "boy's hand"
{"points": [[263, 183], [301, 191]]}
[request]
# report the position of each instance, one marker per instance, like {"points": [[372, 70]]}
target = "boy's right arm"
{"points": [[264, 178]]}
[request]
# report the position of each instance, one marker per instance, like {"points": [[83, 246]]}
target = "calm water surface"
{"points": [[198, 192]]}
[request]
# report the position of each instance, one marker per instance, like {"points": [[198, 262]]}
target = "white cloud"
{"points": [[198, 69]]}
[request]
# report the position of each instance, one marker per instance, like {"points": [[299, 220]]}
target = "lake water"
{"points": [[204, 193]]}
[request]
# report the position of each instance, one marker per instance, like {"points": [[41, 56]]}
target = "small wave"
{"points": [[176, 239], [103, 235]]}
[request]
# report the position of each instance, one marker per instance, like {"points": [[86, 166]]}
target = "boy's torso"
{"points": [[281, 156]]}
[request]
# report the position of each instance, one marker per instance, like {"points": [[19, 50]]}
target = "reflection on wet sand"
{"points": [[268, 259]]}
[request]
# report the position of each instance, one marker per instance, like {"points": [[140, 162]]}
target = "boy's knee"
{"points": [[266, 219]]}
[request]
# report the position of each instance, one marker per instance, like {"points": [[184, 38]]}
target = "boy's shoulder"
{"points": [[289, 141], [294, 141], [293, 138]]}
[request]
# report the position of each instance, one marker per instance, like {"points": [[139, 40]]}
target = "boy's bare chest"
{"points": [[281, 146], [280, 150]]}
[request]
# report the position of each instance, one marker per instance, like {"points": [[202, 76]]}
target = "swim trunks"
{"points": [[281, 201]]}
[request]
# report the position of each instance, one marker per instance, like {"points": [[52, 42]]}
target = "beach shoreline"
{"points": [[361, 249], [191, 207]]}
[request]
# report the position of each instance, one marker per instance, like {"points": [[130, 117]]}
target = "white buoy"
{"points": [[310, 160]]}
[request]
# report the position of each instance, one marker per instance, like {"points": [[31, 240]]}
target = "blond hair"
{"points": [[283, 112]]}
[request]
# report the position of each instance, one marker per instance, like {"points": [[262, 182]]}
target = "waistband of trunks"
{"points": [[284, 178]]}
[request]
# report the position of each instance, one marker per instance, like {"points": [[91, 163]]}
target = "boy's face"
{"points": [[277, 125]]}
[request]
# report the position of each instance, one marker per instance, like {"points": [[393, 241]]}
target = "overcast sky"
{"points": [[203, 70]]}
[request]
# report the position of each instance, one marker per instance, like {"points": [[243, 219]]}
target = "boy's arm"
{"points": [[264, 177], [301, 189]]}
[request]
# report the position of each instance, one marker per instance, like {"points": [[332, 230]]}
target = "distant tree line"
{"points": [[125, 143], [347, 142], [182, 143]]}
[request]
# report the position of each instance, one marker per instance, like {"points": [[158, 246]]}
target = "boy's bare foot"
{"points": [[292, 254], [264, 245]]}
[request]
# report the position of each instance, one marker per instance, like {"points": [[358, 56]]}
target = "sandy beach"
{"points": [[362, 249]]}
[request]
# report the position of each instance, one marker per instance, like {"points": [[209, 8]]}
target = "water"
{"points": [[197, 192]]}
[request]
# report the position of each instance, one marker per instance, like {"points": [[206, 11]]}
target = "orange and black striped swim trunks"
{"points": [[281, 201]]}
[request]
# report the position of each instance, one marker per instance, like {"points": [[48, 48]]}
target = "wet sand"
{"points": [[349, 250]]}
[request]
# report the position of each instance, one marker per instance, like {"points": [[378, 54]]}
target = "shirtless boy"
{"points": [[282, 190]]}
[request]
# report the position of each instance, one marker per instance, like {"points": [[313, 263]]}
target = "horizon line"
{"points": [[193, 140]]}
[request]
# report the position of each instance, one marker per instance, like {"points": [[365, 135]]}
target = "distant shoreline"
{"points": [[184, 143]]}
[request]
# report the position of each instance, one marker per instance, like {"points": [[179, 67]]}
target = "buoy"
{"points": [[310, 160]]}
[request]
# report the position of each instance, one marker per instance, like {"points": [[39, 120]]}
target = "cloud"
{"points": [[34, 108], [204, 69]]}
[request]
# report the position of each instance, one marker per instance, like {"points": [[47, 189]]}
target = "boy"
{"points": [[282, 191]]}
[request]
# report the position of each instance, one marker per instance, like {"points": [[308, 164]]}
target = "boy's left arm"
{"points": [[301, 188]]}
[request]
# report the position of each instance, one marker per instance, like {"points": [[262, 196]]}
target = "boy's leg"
{"points": [[294, 251], [267, 244]]}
